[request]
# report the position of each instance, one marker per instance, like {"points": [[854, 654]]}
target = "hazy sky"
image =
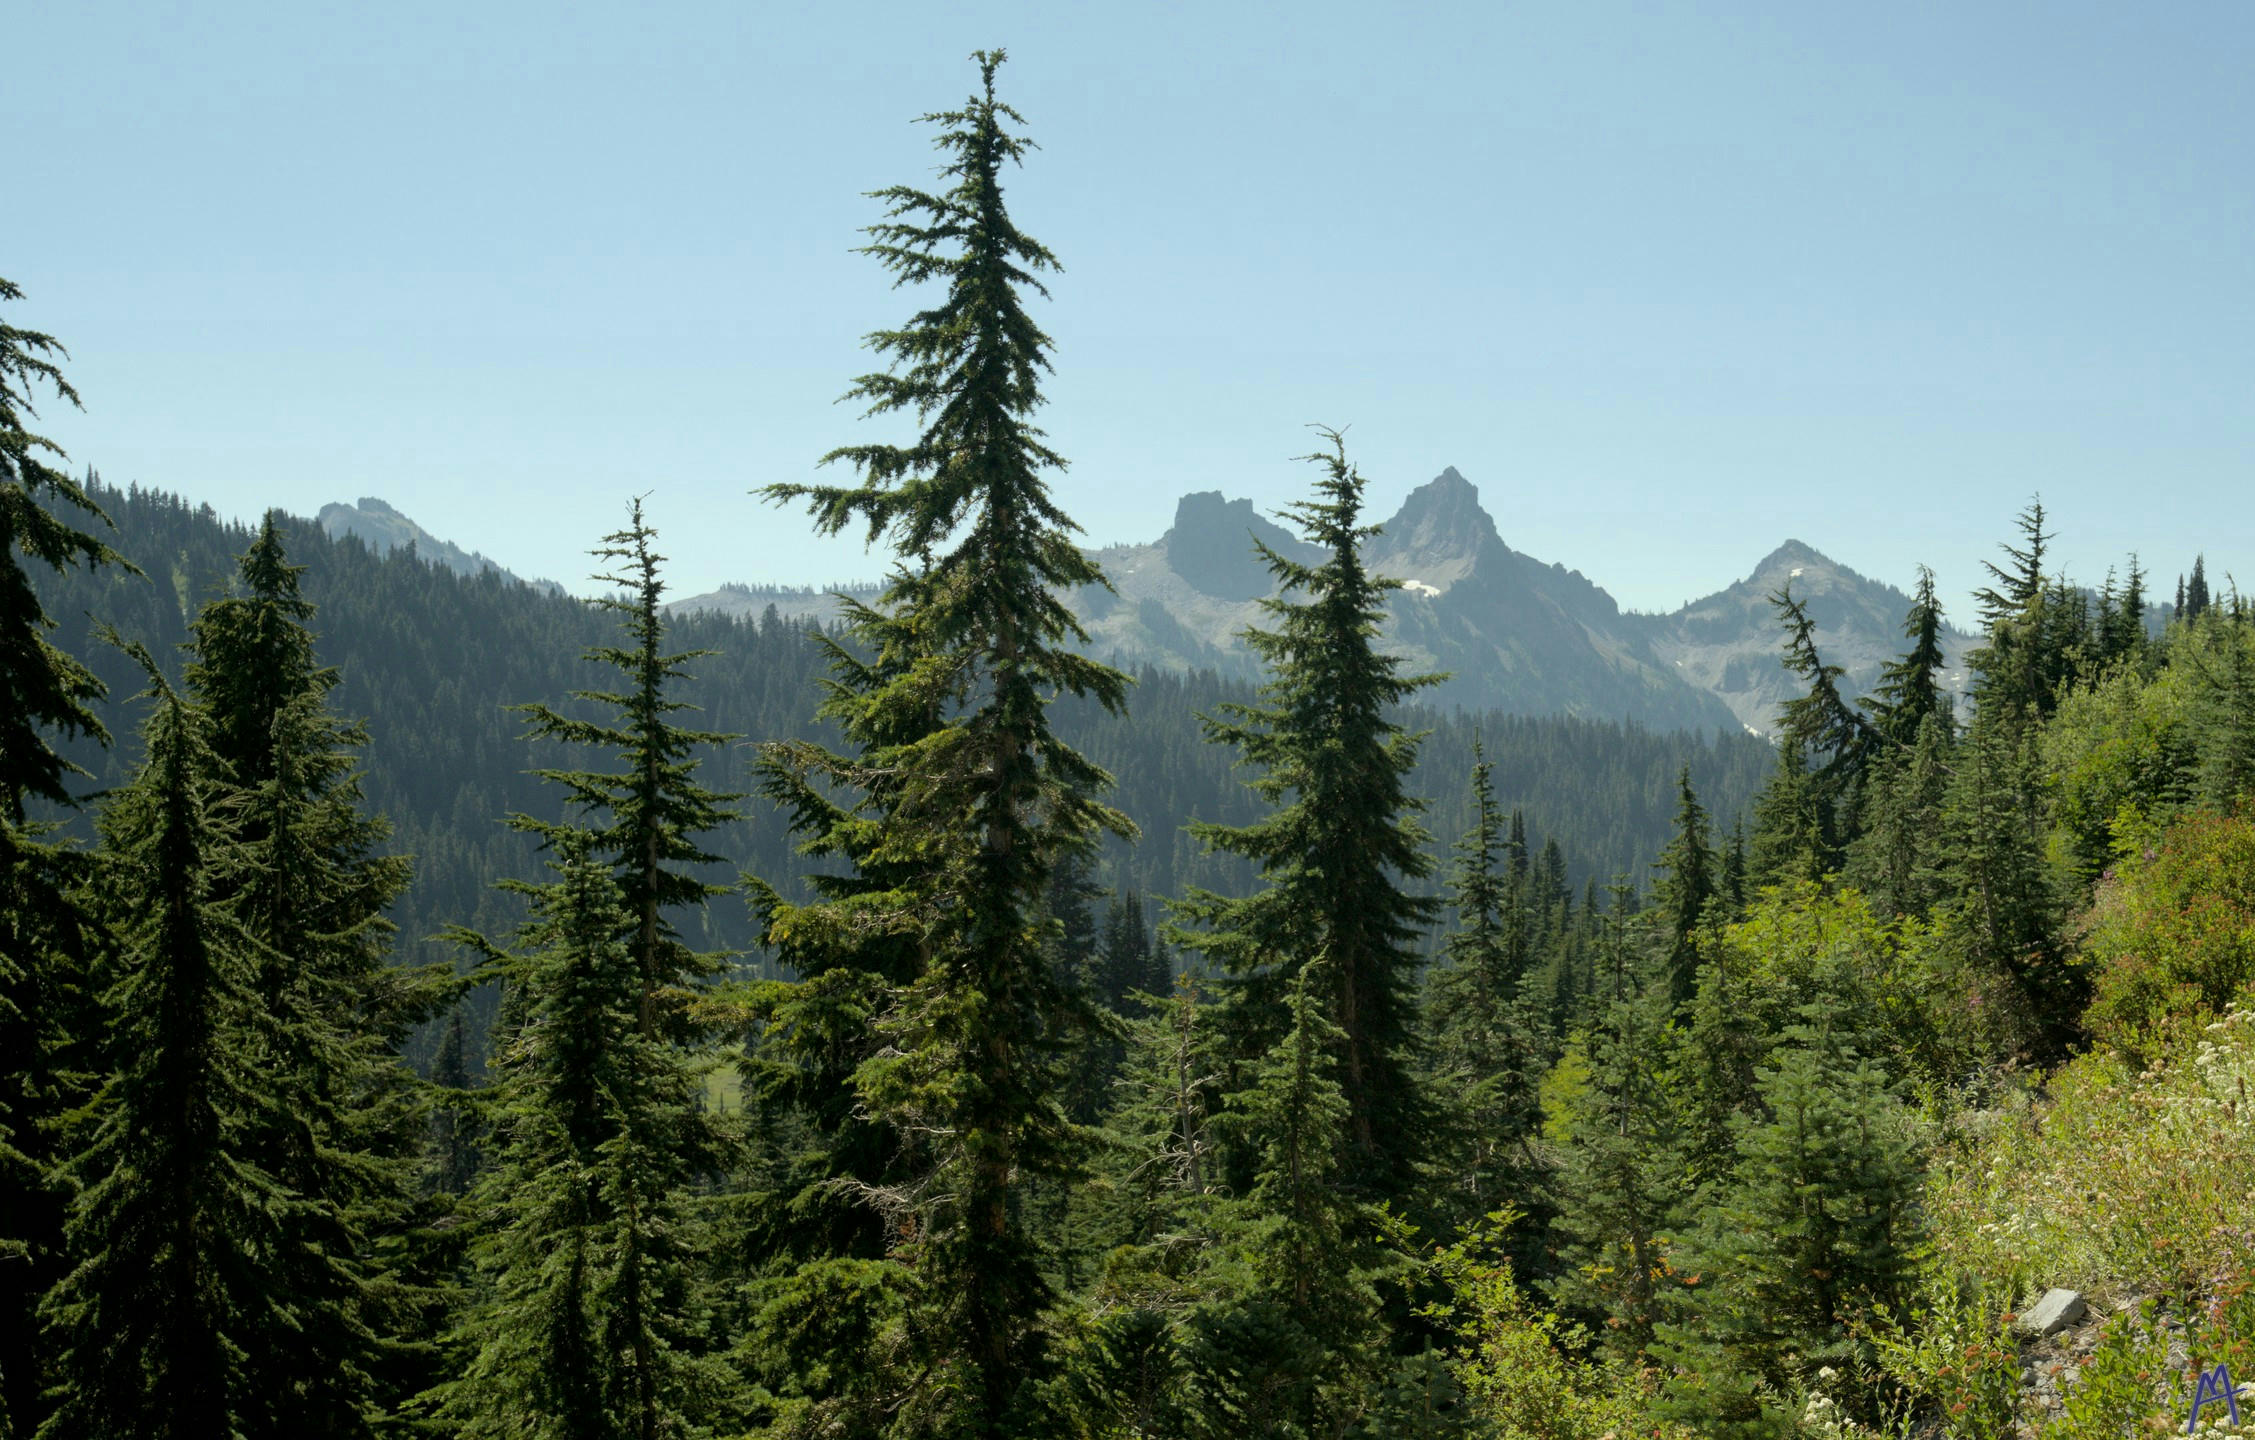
{"points": [[1669, 282]]}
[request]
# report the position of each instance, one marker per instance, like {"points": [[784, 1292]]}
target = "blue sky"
{"points": [[1669, 282]]}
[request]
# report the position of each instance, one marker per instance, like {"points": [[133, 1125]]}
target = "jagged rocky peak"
{"points": [[1794, 556], [1438, 534], [1211, 546]]}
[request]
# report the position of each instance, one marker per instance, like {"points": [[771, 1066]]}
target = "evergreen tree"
{"points": [[601, 1131], [1686, 890], [1731, 885], [585, 1326], [1991, 862], [310, 895], [1789, 841], [990, 800], [1483, 1054], [45, 941], [455, 1157], [2128, 636], [652, 807], [2228, 762], [1127, 960], [1622, 1181], [2196, 589], [1834, 739], [1167, 1095], [1289, 1345], [1816, 1227], [45, 689], [2025, 660], [1909, 692], [1336, 851], [1893, 861], [173, 1225]]}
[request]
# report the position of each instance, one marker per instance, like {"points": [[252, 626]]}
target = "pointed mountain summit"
{"points": [[1438, 536], [1727, 643], [1513, 632]]}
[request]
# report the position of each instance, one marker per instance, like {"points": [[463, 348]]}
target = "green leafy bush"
{"points": [[2173, 932]]}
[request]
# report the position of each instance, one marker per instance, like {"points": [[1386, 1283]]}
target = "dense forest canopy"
{"points": [[431, 1005], [428, 659]]}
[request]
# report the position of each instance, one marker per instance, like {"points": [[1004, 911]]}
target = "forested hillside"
{"points": [[431, 659], [1916, 1106]]}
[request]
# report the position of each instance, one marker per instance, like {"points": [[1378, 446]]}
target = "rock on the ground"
{"points": [[2054, 1313]]}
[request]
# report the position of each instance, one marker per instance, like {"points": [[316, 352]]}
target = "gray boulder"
{"points": [[2052, 1314]]}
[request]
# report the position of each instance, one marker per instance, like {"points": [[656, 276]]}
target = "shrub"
{"points": [[2174, 931]]}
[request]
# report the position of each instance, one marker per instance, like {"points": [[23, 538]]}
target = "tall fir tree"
{"points": [[46, 691], [170, 1235], [601, 1131], [1342, 844], [2023, 662], [1909, 692], [1894, 860], [1622, 1183], [310, 896], [46, 941], [1686, 889], [650, 814], [455, 1131], [1833, 739], [1484, 1057], [1291, 1338], [1991, 864], [989, 800]]}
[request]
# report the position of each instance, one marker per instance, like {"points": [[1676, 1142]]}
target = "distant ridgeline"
{"points": [[382, 529], [429, 657], [1516, 634]]}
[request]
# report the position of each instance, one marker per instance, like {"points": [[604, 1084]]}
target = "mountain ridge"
{"points": [[380, 526], [1516, 633]]}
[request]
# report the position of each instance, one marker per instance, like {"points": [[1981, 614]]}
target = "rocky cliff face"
{"points": [[1514, 633]]}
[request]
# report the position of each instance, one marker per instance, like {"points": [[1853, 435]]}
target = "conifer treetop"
{"points": [[966, 501]]}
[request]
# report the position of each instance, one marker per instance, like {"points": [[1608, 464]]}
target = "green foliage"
{"points": [[2121, 1179], [587, 1322], [1954, 1356], [344, 1127], [1622, 1182], [1686, 889], [1484, 1048], [987, 802], [1815, 1228], [590, 1319], [47, 690], [168, 1298], [2126, 1384], [46, 940], [2173, 933], [1342, 839], [1520, 1366]]}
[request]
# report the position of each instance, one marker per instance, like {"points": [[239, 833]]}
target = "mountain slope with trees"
{"points": [[1776, 1134]]}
